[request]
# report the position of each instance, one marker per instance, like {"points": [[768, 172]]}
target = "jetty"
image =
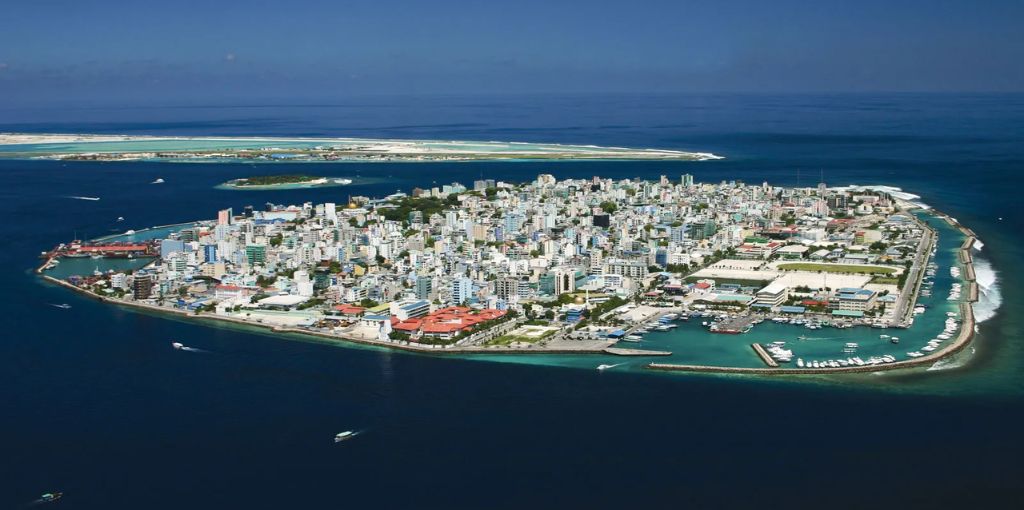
{"points": [[761, 353], [635, 352]]}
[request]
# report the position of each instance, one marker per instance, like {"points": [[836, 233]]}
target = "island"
{"points": [[269, 149], [613, 274], [291, 181]]}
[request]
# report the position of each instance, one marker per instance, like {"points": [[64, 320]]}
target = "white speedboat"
{"points": [[344, 436], [178, 345], [158, 181], [603, 367]]}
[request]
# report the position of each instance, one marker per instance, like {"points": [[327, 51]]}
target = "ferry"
{"points": [[344, 436]]}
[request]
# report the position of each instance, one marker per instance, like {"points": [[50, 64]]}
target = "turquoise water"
{"points": [[98, 404]]}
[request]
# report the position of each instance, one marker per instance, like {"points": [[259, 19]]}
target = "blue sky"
{"points": [[192, 51]]}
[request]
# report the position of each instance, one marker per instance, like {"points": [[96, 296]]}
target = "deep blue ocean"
{"points": [[95, 403]]}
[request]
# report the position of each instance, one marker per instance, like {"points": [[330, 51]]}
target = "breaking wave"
{"points": [[990, 296]]}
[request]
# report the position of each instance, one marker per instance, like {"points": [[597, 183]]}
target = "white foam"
{"points": [[978, 245], [990, 296], [952, 362]]}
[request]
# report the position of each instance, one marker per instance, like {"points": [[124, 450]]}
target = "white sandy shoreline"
{"points": [[397, 147]]}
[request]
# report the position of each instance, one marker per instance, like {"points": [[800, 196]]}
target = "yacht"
{"points": [[158, 181], [800, 362], [50, 497], [120, 218], [344, 436]]}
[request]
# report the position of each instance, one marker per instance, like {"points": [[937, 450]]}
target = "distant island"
{"points": [[288, 181], [85, 147]]}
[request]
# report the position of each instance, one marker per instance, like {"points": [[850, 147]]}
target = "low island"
{"points": [[290, 181], [616, 274], [267, 149]]}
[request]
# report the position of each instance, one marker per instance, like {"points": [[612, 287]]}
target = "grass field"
{"points": [[835, 268]]}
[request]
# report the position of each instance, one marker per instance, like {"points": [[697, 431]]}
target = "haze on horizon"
{"points": [[63, 52]]}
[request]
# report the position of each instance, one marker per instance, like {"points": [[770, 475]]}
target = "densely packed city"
{"points": [[543, 265]]}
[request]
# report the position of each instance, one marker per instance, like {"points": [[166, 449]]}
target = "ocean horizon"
{"points": [[102, 408]]}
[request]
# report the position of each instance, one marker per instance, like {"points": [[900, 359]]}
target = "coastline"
{"points": [[963, 339], [421, 349]]}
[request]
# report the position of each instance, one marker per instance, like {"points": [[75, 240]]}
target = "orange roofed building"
{"points": [[446, 323]]}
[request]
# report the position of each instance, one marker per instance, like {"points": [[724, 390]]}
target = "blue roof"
{"points": [[415, 304], [848, 313], [793, 309], [617, 333]]}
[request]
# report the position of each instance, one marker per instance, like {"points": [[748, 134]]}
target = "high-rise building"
{"points": [[142, 286], [462, 291], [210, 253], [224, 217], [171, 246], [424, 287], [565, 281], [506, 288], [687, 180], [256, 254]]}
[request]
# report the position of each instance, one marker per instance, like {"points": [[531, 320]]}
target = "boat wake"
{"points": [[181, 347], [84, 198], [990, 296]]}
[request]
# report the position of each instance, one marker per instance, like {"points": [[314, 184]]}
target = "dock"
{"points": [[635, 352], [735, 325], [764, 356]]}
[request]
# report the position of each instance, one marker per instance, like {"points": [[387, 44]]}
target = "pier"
{"points": [[761, 353], [635, 352], [735, 325]]}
